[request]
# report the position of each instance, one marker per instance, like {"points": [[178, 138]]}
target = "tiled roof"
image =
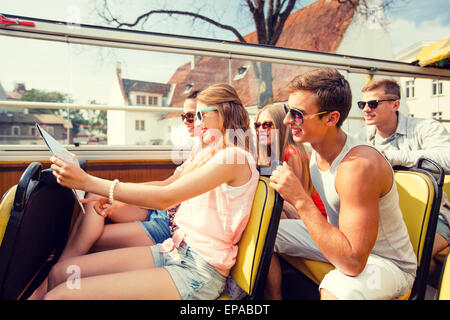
{"points": [[144, 86], [13, 95], [317, 27], [19, 118]]}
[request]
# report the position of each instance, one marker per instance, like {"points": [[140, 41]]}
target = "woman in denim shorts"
{"points": [[216, 194]]}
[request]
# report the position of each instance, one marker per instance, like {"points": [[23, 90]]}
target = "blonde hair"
{"points": [[390, 87], [285, 139], [234, 117]]}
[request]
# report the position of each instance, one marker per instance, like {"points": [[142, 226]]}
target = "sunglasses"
{"points": [[199, 113], [372, 103], [188, 116], [265, 125], [298, 117]]}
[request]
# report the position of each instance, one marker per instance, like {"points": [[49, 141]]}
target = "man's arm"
{"points": [[348, 246]]}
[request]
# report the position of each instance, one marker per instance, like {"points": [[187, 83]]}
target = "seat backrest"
{"points": [[36, 231], [446, 186], [444, 283], [6, 205], [257, 241], [419, 202]]}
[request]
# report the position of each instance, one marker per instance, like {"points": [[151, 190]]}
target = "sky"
{"points": [[86, 73]]}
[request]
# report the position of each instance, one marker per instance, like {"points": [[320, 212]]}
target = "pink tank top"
{"points": [[213, 222]]}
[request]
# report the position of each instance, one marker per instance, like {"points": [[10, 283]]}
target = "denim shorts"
{"points": [[157, 225], [443, 228], [194, 278]]}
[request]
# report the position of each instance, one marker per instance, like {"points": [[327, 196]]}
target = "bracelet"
{"points": [[111, 190]]}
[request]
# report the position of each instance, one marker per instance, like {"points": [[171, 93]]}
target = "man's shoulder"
{"points": [[419, 124], [365, 133]]}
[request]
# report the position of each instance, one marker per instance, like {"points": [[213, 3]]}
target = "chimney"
{"points": [[119, 69], [194, 61], [20, 88]]}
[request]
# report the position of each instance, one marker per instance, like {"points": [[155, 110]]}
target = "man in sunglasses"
{"points": [[403, 140], [365, 236]]}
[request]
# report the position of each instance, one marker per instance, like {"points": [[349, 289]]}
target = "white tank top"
{"points": [[392, 241]]}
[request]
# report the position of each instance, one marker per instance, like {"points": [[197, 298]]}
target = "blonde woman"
{"points": [[216, 195], [275, 142]]}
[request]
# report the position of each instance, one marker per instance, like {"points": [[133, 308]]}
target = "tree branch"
{"points": [[171, 12], [282, 17]]}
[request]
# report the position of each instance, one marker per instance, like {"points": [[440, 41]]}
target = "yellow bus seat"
{"points": [[440, 256], [257, 242], [419, 204], [6, 205], [444, 283]]}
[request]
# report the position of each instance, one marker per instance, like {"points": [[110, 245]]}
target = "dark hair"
{"points": [[193, 95], [331, 89], [390, 86]]}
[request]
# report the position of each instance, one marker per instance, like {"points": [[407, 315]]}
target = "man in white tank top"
{"points": [[365, 237]]}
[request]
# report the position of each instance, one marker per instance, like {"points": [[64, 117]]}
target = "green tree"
{"points": [[97, 118], [37, 95], [74, 116]]}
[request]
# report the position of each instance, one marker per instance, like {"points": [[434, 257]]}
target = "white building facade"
{"points": [[425, 98], [137, 127]]}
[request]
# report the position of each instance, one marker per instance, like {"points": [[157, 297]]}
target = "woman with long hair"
{"points": [[216, 194], [275, 142]]}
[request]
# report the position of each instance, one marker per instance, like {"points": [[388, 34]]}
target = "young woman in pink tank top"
{"points": [[195, 262]]}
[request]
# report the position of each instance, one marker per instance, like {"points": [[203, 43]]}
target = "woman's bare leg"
{"points": [[128, 213], [127, 273], [145, 284], [122, 235], [90, 228], [91, 234], [85, 233]]}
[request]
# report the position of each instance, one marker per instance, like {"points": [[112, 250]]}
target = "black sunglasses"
{"points": [[298, 117], [372, 103], [265, 125], [188, 116]]}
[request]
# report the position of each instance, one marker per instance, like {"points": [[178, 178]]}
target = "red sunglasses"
{"points": [[188, 116], [265, 125]]}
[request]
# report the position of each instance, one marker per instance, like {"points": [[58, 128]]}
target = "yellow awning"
{"points": [[434, 53]]}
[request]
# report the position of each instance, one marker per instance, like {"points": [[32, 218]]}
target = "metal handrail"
{"points": [[151, 41]]}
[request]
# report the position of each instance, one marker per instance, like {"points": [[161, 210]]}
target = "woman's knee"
{"points": [[61, 292], [59, 274]]}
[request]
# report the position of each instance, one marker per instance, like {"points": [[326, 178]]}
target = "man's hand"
{"points": [[286, 183]]}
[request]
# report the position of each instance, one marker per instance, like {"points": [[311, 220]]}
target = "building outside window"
{"points": [[15, 130], [33, 131], [436, 88], [140, 125], [153, 101], [50, 130], [436, 115], [241, 72], [141, 100], [410, 89]]}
